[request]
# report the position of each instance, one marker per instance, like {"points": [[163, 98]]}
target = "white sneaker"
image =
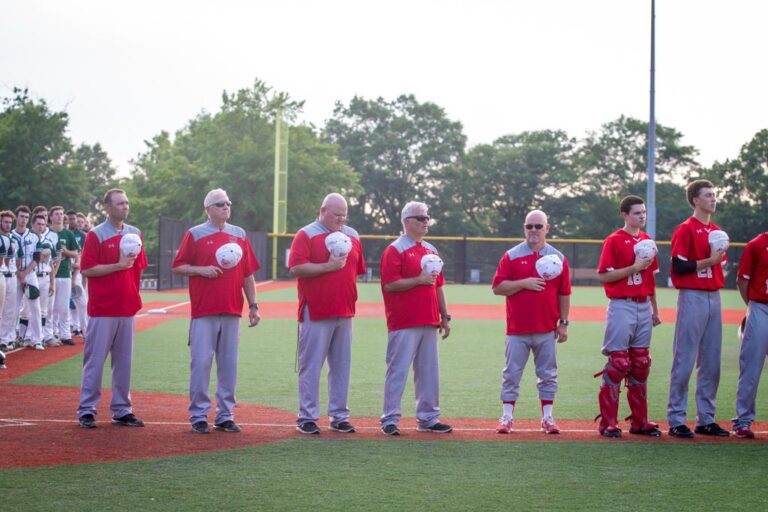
{"points": [[548, 425], [505, 424], [39, 346], [52, 342]]}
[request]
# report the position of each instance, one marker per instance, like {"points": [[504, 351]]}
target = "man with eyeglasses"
{"points": [[327, 289], [628, 277], [219, 261], [537, 319], [417, 312]]}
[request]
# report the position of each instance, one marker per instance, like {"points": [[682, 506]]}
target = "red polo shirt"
{"points": [[690, 242], [619, 252]]}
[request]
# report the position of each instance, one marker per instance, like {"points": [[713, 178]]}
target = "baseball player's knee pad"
{"points": [[617, 367], [641, 364]]}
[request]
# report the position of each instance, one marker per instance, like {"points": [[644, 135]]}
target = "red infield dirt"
{"points": [[40, 420]]}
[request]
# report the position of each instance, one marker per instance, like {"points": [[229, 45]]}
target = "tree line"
{"points": [[380, 153]]}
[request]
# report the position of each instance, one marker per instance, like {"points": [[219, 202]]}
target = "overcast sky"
{"points": [[124, 71]]}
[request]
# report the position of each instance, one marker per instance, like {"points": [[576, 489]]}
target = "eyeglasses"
{"points": [[420, 218], [222, 204], [534, 226]]}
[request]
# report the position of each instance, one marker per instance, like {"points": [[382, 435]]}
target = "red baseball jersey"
{"points": [[223, 295], [530, 312], [419, 305], [332, 294], [115, 294], [690, 242], [754, 267], [619, 252]]}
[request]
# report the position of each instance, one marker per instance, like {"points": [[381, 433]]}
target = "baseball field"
{"points": [[48, 463]]}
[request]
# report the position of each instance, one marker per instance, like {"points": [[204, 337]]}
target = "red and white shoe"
{"points": [[548, 426], [505, 424], [744, 432]]}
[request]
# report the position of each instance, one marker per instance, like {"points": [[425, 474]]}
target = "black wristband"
{"points": [[253, 306]]}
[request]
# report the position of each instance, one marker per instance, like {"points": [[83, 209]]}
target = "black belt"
{"points": [[634, 299], [8, 274], [43, 274]]}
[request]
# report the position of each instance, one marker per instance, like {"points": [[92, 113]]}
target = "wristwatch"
{"points": [[446, 317], [253, 306], [564, 322]]}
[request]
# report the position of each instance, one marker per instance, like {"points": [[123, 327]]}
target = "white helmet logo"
{"points": [[130, 245], [229, 255], [646, 249], [338, 244], [549, 267], [431, 264], [719, 240]]}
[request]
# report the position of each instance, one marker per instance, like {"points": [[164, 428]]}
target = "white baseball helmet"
{"points": [[338, 244], [549, 267], [431, 263], [130, 245], [719, 240], [229, 255], [646, 249]]}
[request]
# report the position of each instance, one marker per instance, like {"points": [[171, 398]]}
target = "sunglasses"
{"points": [[534, 226], [222, 204], [420, 218]]}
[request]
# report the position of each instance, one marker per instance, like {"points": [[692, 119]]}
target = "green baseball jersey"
{"points": [[80, 237], [67, 241]]}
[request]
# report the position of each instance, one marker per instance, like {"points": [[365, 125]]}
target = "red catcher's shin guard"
{"points": [[609, 408], [638, 406]]}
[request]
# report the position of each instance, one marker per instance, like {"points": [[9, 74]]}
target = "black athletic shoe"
{"points": [[227, 426], [712, 429], [681, 431], [87, 421], [344, 427], [68, 342], [390, 429], [129, 420], [437, 428], [201, 427], [652, 432], [611, 432], [308, 427]]}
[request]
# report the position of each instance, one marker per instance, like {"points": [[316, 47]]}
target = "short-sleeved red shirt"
{"points": [[690, 242], [332, 294], [115, 294], [223, 295], [619, 252], [415, 307], [530, 312], [754, 267]]}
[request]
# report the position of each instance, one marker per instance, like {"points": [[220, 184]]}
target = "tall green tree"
{"points": [[100, 174]]}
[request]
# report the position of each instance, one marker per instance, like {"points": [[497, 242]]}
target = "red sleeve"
{"points": [[502, 271], [91, 247], [565, 279], [361, 259], [299, 250], [391, 268], [250, 263], [681, 243], [747, 263], [606, 257], [185, 254]]}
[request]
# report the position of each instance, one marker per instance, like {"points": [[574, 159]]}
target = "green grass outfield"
{"points": [[349, 474]]}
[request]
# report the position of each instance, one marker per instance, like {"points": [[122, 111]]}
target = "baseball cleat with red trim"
{"points": [[548, 426], [505, 424], [743, 432]]}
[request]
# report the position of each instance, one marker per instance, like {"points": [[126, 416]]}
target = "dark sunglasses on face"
{"points": [[222, 204], [420, 218], [532, 226]]}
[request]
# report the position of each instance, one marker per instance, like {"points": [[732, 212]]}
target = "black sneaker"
{"points": [[437, 428], [227, 426], [390, 429], [613, 433], [87, 421], [129, 420], [308, 427], [344, 427], [68, 342], [681, 431], [712, 429], [201, 427]]}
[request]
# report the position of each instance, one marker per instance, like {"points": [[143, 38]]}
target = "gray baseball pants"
{"points": [[113, 336], [417, 346], [518, 347], [754, 349], [319, 340], [212, 336], [628, 324], [698, 340]]}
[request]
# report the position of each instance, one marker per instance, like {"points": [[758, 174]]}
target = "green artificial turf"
{"points": [[400, 474]]}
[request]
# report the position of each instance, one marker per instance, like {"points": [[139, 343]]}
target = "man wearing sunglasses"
{"points": [[537, 319], [416, 312], [216, 287]]}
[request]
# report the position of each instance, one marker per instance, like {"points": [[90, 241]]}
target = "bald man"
{"points": [[326, 265]]}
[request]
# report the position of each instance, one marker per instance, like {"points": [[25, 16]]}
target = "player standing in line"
{"points": [[40, 277], [67, 248], [627, 270], [113, 284], [79, 283], [753, 286], [697, 272], [326, 257], [219, 261], [10, 310], [416, 310], [26, 240], [537, 319]]}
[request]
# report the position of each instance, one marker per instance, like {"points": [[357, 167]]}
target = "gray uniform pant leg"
{"points": [[754, 349], [698, 341], [545, 357], [10, 312], [319, 340], [213, 336], [108, 336], [517, 350], [60, 314], [417, 345], [32, 314], [80, 313], [516, 353]]}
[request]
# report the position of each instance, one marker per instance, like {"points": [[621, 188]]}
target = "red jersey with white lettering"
{"points": [[332, 294], [690, 242], [619, 252], [117, 293], [224, 294], [418, 306], [530, 312], [754, 267]]}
